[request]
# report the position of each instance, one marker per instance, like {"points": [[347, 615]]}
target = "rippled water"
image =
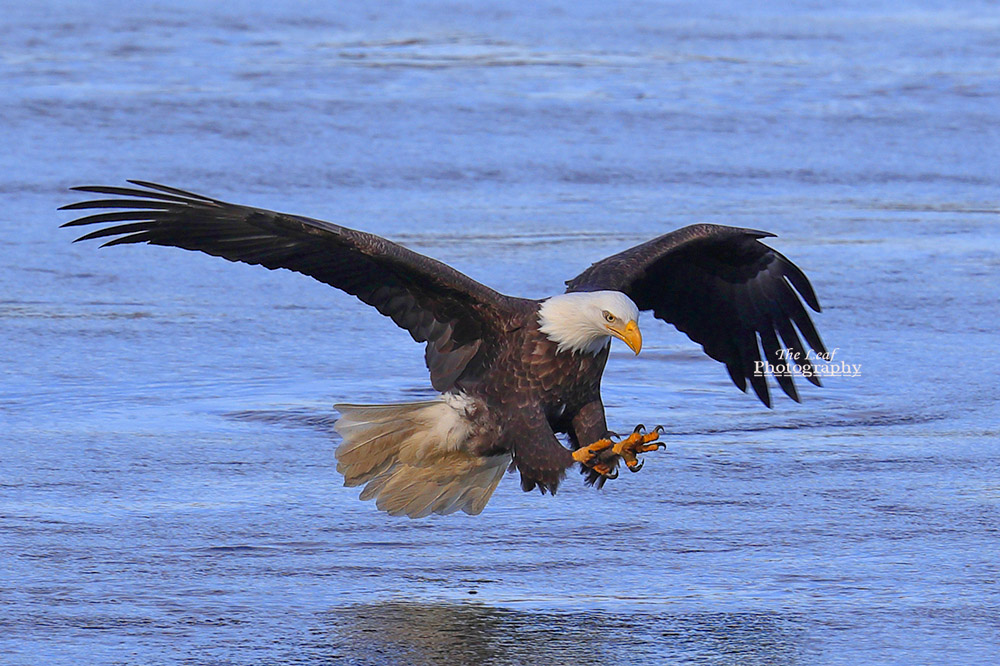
{"points": [[167, 483]]}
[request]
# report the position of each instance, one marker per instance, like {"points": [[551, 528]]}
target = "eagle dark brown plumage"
{"points": [[513, 372]]}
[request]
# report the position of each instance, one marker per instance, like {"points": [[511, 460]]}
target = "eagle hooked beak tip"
{"points": [[630, 335]]}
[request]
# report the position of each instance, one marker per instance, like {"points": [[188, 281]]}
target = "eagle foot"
{"points": [[590, 456], [602, 456], [636, 443]]}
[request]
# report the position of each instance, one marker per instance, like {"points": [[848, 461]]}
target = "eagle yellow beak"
{"points": [[630, 335]]}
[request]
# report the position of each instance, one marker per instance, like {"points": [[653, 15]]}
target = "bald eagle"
{"points": [[512, 373]]}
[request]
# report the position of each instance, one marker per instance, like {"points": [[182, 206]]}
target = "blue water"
{"points": [[168, 491]]}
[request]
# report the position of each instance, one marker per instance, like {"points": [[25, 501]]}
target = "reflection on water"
{"points": [[443, 633]]}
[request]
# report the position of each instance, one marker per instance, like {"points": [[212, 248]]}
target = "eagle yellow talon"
{"points": [[628, 449], [586, 454], [605, 471], [636, 443]]}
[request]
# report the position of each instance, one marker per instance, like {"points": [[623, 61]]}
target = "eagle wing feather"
{"points": [[725, 290], [435, 303]]}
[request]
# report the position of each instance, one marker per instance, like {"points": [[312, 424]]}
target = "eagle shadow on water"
{"points": [[512, 373]]}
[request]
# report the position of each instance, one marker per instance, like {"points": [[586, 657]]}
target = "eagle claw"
{"points": [[627, 449], [638, 442]]}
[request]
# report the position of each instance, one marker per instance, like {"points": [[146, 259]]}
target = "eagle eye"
{"points": [[608, 317]]}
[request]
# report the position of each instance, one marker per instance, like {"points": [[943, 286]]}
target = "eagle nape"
{"points": [[511, 374]]}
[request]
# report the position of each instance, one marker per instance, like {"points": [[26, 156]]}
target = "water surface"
{"points": [[168, 492]]}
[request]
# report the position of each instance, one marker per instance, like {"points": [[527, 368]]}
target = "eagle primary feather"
{"points": [[513, 372]]}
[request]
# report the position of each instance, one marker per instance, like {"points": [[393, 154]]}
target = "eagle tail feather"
{"points": [[417, 458]]}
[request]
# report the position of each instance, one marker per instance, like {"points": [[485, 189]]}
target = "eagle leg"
{"points": [[601, 456]]}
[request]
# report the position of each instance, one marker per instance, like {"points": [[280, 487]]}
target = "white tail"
{"points": [[417, 458]]}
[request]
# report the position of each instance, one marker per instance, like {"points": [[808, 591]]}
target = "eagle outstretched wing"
{"points": [[723, 288], [436, 304]]}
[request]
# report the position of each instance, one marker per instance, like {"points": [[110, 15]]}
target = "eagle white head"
{"points": [[586, 321]]}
